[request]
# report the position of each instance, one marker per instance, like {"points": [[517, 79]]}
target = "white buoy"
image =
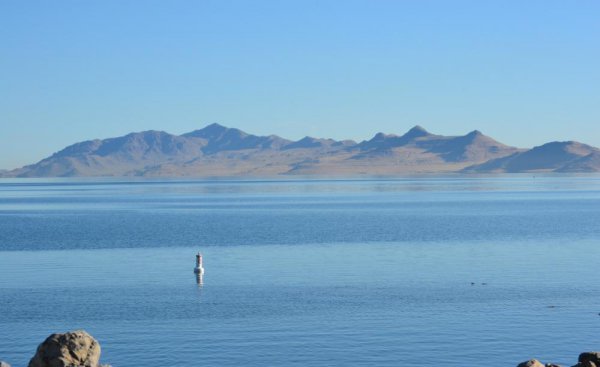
{"points": [[199, 269]]}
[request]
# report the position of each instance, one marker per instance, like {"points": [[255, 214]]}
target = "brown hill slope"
{"points": [[555, 156]]}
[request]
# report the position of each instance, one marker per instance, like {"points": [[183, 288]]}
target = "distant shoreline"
{"points": [[295, 178]]}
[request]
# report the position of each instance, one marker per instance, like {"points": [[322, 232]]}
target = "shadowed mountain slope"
{"points": [[218, 138], [556, 156], [588, 163], [122, 155], [309, 142], [473, 147], [382, 141]]}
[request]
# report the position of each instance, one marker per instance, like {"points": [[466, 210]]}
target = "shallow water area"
{"points": [[411, 271]]}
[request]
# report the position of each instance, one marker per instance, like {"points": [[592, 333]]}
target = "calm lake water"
{"points": [[408, 272]]}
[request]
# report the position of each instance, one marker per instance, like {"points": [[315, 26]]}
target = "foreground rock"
{"points": [[586, 359], [531, 363], [75, 348], [593, 357], [4, 364]]}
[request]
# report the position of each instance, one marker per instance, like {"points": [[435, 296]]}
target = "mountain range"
{"points": [[216, 150]]}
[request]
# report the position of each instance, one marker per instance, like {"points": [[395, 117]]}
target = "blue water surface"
{"points": [[380, 272]]}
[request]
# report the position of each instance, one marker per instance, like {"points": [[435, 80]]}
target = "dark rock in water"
{"points": [[586, 359], [531, 363], [589, 357], [4, 364], [75, 348]]}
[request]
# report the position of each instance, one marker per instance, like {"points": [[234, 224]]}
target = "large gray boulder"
{"points": [[71, 349], [4, 364]]}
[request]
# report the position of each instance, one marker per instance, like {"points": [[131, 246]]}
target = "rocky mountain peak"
{"points": [[415, 132]]}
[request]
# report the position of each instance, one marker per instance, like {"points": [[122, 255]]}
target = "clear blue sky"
{"points": [[524, 72]]}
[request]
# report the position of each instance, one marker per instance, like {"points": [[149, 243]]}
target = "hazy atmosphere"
{"points": [[525, 73], [299, 183]]}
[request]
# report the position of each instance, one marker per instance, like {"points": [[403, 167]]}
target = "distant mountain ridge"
{"points": [[216, 150]]}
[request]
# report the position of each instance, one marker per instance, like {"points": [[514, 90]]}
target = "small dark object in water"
{"points": [[483, 283], [472, 283]]}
